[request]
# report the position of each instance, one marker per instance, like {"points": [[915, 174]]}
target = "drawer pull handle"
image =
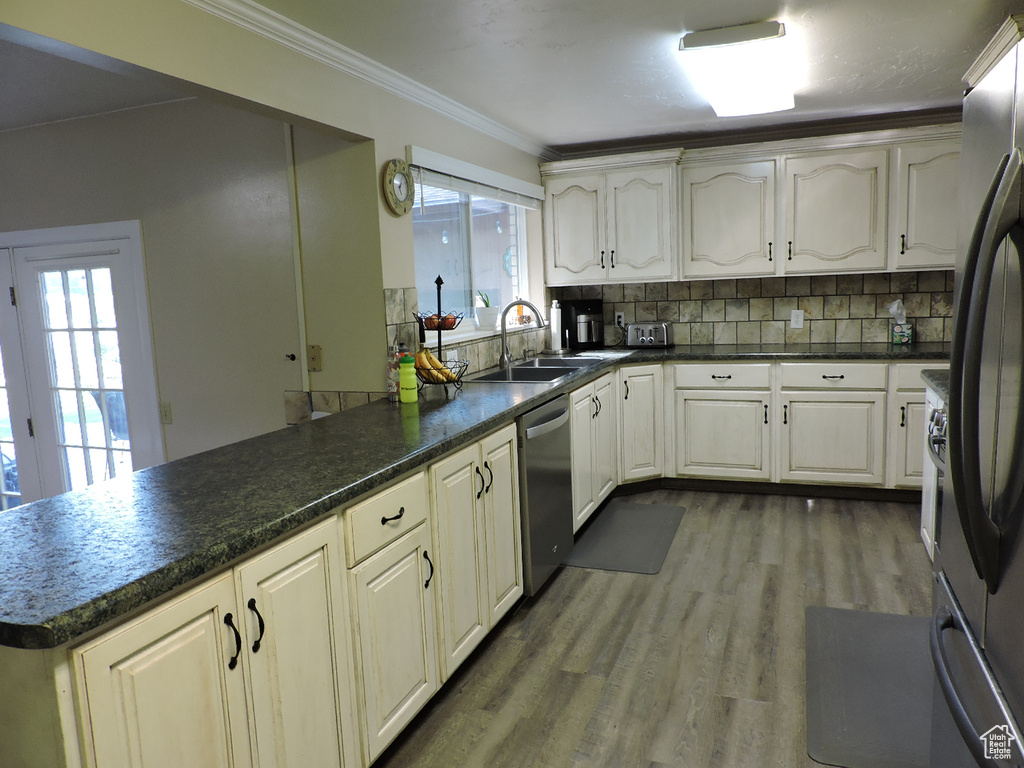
{"points": [[431, 574], [598, 401], [602, 259], [228, 619], [834, 376], [263, 627], [903, 415], [490, 478], [482, 483], [769, 250], [903, 244], [785, 414], [766, 414], [727, 376], [626, 382], [386, 520], [790, 250], [613, 258]]}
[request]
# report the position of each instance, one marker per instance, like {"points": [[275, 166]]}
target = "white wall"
{"points": [[210, 185], [175, 38]]}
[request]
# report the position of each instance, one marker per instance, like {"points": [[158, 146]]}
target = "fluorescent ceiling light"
{"points": [[742, 70]]}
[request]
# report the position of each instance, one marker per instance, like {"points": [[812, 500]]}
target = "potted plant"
{"points": [[486, 315]]}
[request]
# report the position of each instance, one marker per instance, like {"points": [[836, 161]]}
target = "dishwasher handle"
{"points": [[550, 425]]}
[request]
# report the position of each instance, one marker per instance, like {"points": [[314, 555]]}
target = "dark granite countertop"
{"points": [[71, 563], [938, 380]]}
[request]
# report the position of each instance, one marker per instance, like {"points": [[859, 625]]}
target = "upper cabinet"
{"points": [[835, 211], [729, 215], [610, 222], [923, 235]]}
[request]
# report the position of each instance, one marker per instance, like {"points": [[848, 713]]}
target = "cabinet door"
{"points": [[640, 422], [729, 220], [583, 411], [836, 211], [502, 522], [299, 660], [161, 690], [925, 228], [397, 653], [722, 434], [574, 223], [640, 243], [906, 418], [604, 441], [833, 437], [458, 485]]}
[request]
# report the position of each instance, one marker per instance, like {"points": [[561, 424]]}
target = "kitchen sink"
{"points": [[526, 373], [557, 362]]}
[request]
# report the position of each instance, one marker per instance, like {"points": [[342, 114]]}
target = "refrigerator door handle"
{"points": [[943, 621], [955, 454], [1003, 221]]}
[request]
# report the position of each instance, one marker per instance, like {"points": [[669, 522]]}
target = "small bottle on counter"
{"points": [[407, 382], [391, 373]]}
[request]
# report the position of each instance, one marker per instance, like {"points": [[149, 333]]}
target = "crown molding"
{"points": [[273, 26], [1009, 34]]}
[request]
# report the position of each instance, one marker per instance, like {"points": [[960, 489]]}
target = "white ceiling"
{"points": [[565, 73]]}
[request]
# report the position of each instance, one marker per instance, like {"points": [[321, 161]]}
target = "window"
{"points": [[475, 242]]}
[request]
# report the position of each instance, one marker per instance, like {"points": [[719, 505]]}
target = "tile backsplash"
{"points": [[837, 308]]}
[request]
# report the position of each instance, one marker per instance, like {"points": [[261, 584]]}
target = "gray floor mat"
{"points": [[627, 536]]}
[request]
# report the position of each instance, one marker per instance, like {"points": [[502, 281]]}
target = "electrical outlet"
{"points": [[166, 417], [796, 318], [451, 355], [620, 319]]}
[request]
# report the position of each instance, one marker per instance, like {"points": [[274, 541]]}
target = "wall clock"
{"points": [[397, 186]]}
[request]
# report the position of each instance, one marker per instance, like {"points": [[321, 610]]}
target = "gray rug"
{"points": [[627, 536], [869, 689]]}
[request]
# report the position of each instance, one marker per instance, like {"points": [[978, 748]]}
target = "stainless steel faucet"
{"points": [[506, 356]]}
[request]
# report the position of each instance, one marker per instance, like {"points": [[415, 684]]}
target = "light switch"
{"points": [[796, 318], [166, 417]]}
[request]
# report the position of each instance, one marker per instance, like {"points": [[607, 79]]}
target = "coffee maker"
{"points": [[583, 319]]}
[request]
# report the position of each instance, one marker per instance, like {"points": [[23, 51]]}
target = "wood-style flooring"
{"points": [[699, 666]]}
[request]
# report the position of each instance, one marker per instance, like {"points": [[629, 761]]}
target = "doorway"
{"points": [[80, 381]]}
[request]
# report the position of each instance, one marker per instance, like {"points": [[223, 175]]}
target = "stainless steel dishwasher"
{"points": [[545, 490]]}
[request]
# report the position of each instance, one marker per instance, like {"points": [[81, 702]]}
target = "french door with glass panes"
{"points": [[81, 354]]}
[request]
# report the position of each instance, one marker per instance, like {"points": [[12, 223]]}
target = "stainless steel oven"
{"points": [[934, 469]]}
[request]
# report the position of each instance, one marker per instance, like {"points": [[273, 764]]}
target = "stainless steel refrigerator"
{"points": [[977, 640]]}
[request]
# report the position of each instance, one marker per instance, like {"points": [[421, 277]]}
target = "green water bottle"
{"points": [[407, 383]]}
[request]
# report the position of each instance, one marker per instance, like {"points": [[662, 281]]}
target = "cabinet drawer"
{"points": [[371, 525], [723, 376], [834, 375], [908, 375]]}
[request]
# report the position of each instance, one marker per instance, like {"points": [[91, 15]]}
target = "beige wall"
{"points": [[177, 39], [210, 185]]}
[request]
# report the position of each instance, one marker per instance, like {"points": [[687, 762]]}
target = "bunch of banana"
{"points": [[432, 369]]}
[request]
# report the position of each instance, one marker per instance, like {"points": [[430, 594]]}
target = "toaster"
{"points": [[649, 335]]}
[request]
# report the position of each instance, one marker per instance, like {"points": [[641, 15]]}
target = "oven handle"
{"points": [[943, 620]]}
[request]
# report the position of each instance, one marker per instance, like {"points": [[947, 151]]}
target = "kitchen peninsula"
{"points": [[76, 566]]}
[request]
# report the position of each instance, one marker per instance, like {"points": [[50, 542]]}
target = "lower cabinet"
{"points": [[907, 414], [722, 416], [251, 668], [478, 543], [832, 428], [641, 422], [594, 446]]}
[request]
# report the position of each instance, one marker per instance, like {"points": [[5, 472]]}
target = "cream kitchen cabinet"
{"points": [[477, 540], [722, 415], [836, 205], [593, 425], [641, 422], [393, 584], [610, 223], [925, 215], [250, 668], [729, 219], [832, 426], [907, 413]]}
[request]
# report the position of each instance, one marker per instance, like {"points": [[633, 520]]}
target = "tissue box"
{"points": [[902, 333]]}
